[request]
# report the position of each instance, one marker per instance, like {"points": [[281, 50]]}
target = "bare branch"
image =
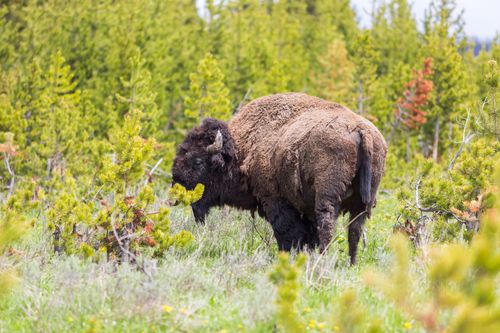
{"points": [[245, 98], [11, 173], [466, 138], [126, 251], [433, 208], [150, 173]]}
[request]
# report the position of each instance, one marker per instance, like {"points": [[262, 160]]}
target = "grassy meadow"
{"points": [[96, 96], [220, 284]]}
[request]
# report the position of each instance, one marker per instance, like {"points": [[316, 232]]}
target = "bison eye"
{"points": [[198, 162]]}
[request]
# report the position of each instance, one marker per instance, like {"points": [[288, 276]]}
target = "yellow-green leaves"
{"points": [[8, 279], [13, 224], [187, 197], [286, 277], [462, 294], [208, 96], [119, 216], [130, 153]]}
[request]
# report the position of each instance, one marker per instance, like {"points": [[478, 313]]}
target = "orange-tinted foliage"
{"points": [[410, 108]]}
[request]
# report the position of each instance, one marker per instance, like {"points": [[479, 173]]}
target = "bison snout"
{"points": [[199, 213]]}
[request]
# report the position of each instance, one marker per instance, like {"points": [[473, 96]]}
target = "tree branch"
{"points": [[127, 252], [150, 173], [466, 138], [11, 173], [245, 98]]}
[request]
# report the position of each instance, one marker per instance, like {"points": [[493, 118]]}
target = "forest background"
{"points": [[95, 96]]}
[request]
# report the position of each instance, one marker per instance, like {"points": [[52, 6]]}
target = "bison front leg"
{"points": [[289, 230], [327, 213]]}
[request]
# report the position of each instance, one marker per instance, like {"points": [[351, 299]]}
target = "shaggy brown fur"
{"points": [[300, 161]]}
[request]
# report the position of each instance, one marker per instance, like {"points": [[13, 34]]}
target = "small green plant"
{"points": [[348, 315], [14, 223], [184, 196], [285, 276], [352, 317]]}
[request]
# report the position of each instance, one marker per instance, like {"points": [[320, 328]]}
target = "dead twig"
{"points": [[434, 208], [150, 173], [264, 240], [6, 162], [128, 253], [245, 98], [466, 139]]}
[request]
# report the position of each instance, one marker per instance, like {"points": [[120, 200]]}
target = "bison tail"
{"points": [[365, 170]]}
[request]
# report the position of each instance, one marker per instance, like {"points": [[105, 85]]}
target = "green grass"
{"points": [[220, 283]]}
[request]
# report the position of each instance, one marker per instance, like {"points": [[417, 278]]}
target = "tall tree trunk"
{"points": [[435, 144]]}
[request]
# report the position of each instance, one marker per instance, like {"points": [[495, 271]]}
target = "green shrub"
{"points": [[120, 218], [285, 276], [461, 282], [449, 202]]}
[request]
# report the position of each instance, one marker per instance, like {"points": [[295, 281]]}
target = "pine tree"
{"points": [[55, 129], [334, 79], [208, 96], [332, 16], [125, 222], [325, 23], [367, 97], [12, 118], [139, 95], [398, 42], [285, 65], [395, 36], [411, 109], [487, 117], [451, 92]]}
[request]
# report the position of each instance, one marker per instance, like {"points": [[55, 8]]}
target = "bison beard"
{"points": [[298, 160]]}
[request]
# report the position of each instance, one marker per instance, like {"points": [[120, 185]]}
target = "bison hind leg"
{"points": [[290, 230], [357, 218]]}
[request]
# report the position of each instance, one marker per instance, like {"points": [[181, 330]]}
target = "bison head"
{"points": [[206, 156]]}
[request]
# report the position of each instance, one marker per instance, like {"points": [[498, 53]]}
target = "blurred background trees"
{"points": [[95, 96]]}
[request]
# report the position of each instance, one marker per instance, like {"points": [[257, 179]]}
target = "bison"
{"points": [[298, 160]]}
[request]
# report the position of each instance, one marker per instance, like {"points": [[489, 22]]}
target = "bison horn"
{"points": [[216, 147]]}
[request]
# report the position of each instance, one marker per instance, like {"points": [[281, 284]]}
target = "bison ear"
{"points": [[217, 162], [220, 144]]}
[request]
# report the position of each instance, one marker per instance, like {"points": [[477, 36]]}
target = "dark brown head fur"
{"points": [[218, 171]]}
